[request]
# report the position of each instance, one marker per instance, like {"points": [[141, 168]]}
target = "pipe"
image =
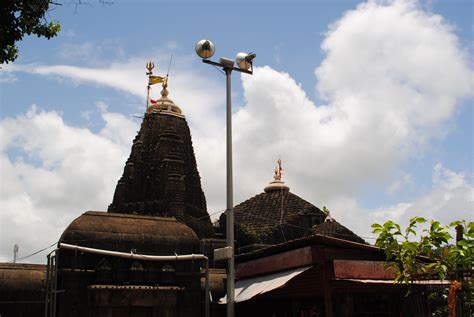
{"points": [[133, 255], [50, 285]]}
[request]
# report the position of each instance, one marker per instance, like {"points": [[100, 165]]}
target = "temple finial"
{"points": [[278, 171], [149, 67], [164, 91], [277, 183]]}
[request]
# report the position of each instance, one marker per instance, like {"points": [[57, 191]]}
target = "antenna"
{"points": [[15, 252], [169, 67]]}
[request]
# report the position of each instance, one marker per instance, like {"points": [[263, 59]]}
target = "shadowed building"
{"points": [[138, 258], [141, 258], [325, 276], [22, 289], [108, 285]]}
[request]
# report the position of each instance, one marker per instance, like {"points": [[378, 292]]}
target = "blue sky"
{"points": [[369, 106]]}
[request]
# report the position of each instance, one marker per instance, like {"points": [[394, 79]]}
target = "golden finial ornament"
{"points": [[277, 183], [278, 170], [164, 91], [149, 67]]}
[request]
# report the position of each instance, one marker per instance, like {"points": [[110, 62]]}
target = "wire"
{"points": [[34, 253], [223, 72], [208, 215]]}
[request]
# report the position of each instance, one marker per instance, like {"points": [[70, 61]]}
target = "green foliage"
{"points": [[326, 211], [20, 18], [429, 253]]}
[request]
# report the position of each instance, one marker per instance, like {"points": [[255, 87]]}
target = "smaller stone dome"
{"points": [[276, 185], [131, 233]]}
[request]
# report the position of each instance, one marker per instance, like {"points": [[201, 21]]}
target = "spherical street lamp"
{"points": [[244, 60], [205, 49]]}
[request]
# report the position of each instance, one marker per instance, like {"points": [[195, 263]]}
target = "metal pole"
{"points": [[147, 97], [55, 284], [206, 290], [47, 299], [230, 203]]}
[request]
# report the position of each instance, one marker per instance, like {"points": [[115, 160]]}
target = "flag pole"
{"points": [[149, 67], [147, 96]]}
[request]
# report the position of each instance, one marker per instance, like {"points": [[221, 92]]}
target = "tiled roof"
{"points": [[274, 217], [334, 229]]}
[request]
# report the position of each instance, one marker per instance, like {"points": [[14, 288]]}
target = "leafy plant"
{"points": [[430, 254], [20, 18]]}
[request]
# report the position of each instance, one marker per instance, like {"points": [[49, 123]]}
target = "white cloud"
{"points": [[400, 182], [188, 89], [386, 98], [52, 172], [392, 76], [91, 53], [7, 78], [451, 198]]}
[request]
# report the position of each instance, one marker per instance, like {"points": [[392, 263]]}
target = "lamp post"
{"points": [[205, 49]]}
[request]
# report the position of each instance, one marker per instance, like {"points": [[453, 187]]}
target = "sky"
{"points": [[369, 105]]}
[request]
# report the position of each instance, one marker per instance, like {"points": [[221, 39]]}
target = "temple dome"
{"points": [[165, 105], [276, 185], [127, 233], [272, 217]]}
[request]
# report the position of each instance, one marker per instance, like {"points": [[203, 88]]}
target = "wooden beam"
{"points": [[362, 270], [274, 263]]}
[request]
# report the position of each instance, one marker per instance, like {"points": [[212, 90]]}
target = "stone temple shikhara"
{"points": [[160, 177], [151, 252]]}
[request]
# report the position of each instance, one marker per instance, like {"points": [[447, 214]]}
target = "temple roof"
{"points": [[332, 228], [277, 215], [272, 217], [124, 233], [21, 283], [160, 177]]}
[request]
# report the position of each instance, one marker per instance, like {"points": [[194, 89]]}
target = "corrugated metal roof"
{"points": [[371, 281], [246, 289]]}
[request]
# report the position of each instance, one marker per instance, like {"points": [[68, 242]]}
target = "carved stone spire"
{"points": [[160, 177]]}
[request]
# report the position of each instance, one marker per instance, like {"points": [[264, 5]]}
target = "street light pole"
{"points": [[230, 202], [205, 49]]}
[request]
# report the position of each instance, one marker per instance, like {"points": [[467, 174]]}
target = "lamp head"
{"points": [[226, 62], [244, 60], [205, 49]]}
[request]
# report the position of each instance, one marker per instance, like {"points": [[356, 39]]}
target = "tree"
{"points": [[20, 18], [431, 255]]}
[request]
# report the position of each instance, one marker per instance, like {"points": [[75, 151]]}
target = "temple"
{"points": [[160, 177], [277, 215], [151, 252]]}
